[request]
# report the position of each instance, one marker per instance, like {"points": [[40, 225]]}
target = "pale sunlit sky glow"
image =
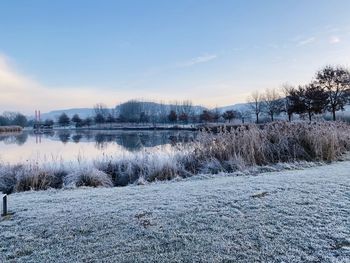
{"points": [[67, 54]]}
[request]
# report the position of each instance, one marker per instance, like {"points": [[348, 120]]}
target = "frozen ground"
{"points": [[291, 216]]}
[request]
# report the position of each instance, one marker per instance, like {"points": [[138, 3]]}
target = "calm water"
{"points": [[71, 145]]}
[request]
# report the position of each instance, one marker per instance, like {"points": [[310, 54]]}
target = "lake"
{"points": [[69, 145]]}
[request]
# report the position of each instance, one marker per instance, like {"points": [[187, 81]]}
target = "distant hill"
{"points": [[241, 107], [82, 112], [89, 112], [158, 108]]}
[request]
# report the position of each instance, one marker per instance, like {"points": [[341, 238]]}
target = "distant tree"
{"points": [[315, 99], [229, 115], [255, 104], [4, 121], [77, 120], [310, 99], [183, 117], [87, 122], [245, 115], [215, 114], [130, 111], [49, 122], [206, 116], [20, 120], [186, 110], [110, 118], [288, 90], [63, 120], [10, 116], [101, 109], [336, 83], [172, 117], [296, 97], [273, 103], [144, 117], [99, 118]]}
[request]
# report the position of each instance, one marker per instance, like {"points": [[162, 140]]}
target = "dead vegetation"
{"points": [[224, 151]]}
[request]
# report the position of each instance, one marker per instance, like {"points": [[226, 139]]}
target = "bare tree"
{"points": [[245, 115], [130, 111], [336, 82], [273, 102], [314, 99], [229, 115], [310, 99], [172, 117], [288, 91], [255, 104], [101, 109]]}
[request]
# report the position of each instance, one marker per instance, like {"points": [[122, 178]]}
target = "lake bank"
{"points": [[239, 150], [10, 129], [291, 216]]}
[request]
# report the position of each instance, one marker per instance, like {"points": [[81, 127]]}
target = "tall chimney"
{"points": [[36, 116], [39, 115]]}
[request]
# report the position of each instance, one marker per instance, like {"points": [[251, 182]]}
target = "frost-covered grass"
{"points": [[290, 216], [227, 151]]}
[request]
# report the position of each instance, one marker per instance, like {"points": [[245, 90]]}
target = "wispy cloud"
{"points": [[197, 60], [334, 40], [306, 41]]}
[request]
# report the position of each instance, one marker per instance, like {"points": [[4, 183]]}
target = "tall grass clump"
{"points": [[144, 166], [88, 176], [18, 178], [275, 142]]}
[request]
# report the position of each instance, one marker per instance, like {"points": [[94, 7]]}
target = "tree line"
{"points": [[150, 113], [13, 118], [329, 91]]}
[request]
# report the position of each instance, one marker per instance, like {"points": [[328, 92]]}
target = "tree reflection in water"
{"points": [[130, 140]]}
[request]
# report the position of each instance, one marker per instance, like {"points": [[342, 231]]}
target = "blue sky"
{"points": [[60, 54]]}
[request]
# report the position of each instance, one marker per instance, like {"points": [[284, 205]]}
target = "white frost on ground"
{"points": [[290, 216]]}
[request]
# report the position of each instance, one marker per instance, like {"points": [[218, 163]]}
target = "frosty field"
{"points": [[290, 216]]}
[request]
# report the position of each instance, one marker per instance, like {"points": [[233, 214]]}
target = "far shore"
{"points": [[141, 127], [10, 129]]}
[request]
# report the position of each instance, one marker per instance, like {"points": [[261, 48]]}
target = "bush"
{"points": [[88, 177]]}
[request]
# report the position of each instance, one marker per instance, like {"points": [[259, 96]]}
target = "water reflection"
{"points": [[17, 138], [129, 140], [64, 136]]}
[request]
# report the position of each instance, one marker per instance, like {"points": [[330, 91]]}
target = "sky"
{"points": [[68, 54]]}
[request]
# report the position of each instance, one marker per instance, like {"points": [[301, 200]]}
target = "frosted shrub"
{"points": [[33, 178], [8, 178], [88, 176], [29, 177], [162, 168]]}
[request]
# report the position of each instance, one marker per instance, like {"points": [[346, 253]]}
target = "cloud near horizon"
{"points": [[22, 93]]}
